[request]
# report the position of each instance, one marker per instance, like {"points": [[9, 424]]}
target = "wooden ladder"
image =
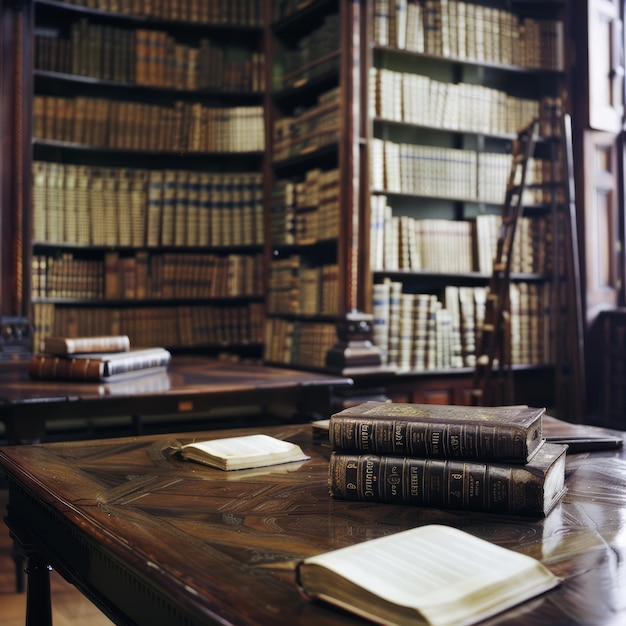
{"points": [[493, 379]]}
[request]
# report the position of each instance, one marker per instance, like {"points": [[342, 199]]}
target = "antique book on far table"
{"points": [[431, 575], [509, 434], [243, 452], [532, 489], [99, 367]]}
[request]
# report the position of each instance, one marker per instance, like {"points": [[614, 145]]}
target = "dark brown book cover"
{"points": [[532, 489], [511, 434]]}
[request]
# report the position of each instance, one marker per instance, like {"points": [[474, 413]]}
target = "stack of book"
{"points": [[106, 358], [491, 459]]}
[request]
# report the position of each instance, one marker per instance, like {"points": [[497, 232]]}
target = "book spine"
{"points": [[437, 483], [429, 439]]}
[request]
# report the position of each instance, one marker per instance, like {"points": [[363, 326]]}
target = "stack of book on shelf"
{"points": [[491, 459], [107, 358]]}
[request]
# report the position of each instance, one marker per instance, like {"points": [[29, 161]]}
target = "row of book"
{"points": [[418, 99], [108, 359], [143, 275], [80, 204], [465, 30], [402, 242], [179, 326], [124, 125], [296, 288], [315, 54], [148, 57], [306, 131], [420, 332], [534, 248], [225, 12], [452, 173], [303, 343], [488, 459], [305, 211]]}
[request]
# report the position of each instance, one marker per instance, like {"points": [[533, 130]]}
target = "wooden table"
{"points": [[155, 540], [191, 385]]}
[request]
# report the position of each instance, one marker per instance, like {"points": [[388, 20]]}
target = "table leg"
{"points": [[38, 600], [20, 561], [137, 425]]}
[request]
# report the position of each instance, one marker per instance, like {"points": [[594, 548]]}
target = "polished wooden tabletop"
{"points": [[156, 540], [191, 384]]}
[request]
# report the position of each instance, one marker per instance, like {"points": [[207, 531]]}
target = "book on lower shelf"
{"points": [[245, 452], [532, 489], [100, 367], [433, 575]]}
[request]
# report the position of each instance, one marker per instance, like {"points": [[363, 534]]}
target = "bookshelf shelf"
{"points": [[147, 303], [97, 250], [51, 79], [219, 25], [307, 89], [307, 317], [476, 63], [452, 278], [322, 156], [325, 245], [70, 146], [507, 137], [425, 196]]}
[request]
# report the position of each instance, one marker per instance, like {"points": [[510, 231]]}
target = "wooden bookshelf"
{"points": [[147, 177], [448, 86], [314, 202]]}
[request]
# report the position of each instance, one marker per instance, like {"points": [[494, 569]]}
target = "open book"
{"points": [[234, 453], [435, 575]]}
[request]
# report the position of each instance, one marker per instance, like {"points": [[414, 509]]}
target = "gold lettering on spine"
{"points": [[364, 433], [369, 479]]}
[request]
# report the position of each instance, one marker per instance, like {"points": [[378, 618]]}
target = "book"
{"points": [[62, 346], [99, 367], [432, 575], [245, 452], [507, 434], [532, 489]]}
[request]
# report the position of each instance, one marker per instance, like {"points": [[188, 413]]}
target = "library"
{"points": [[303, 205]]}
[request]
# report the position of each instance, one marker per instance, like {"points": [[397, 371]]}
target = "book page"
{"points": [[243, 452], [238, 447], [440, 570]]}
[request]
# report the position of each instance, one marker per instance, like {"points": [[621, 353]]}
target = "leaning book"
{"points": [[509, 434], [100, 367], [244, 452], [532, 489], [432, 575]]}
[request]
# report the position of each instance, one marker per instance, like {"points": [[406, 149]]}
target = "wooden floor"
{"points": [[69, 606]]}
